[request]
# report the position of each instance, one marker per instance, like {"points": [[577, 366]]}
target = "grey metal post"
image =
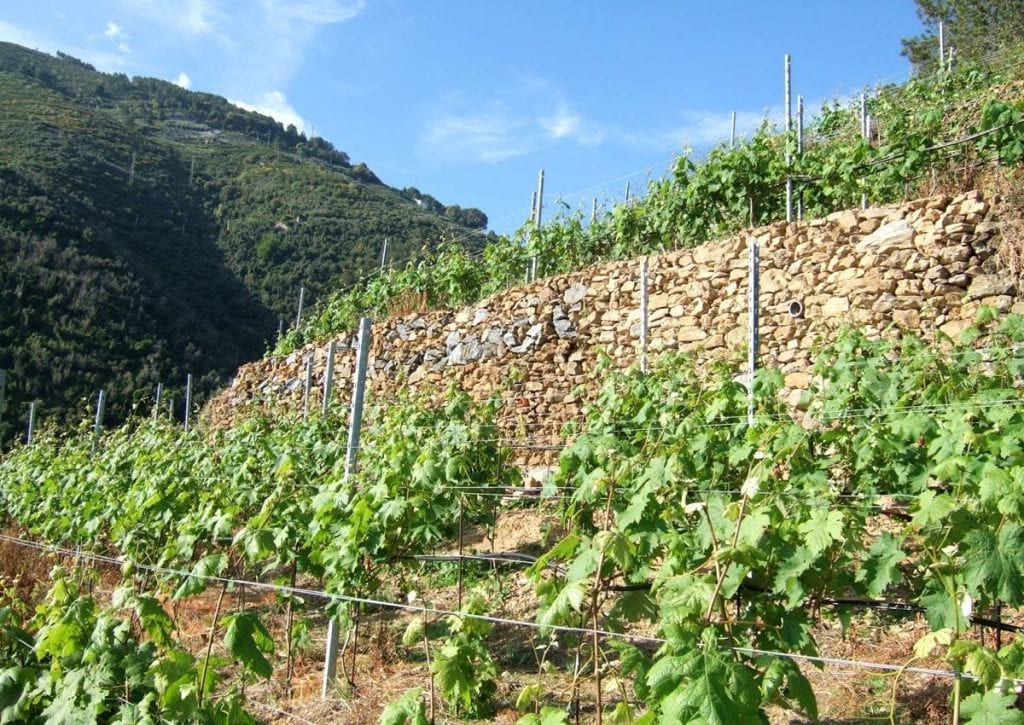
{"points": [[789, 128], [188, 399], [170, 408], [593, 210], [308, 387], [328, 378], [538, 216], [753, 342], [800, 152], [627, 191], [159, 395], [384, 254], [942, 44], [643, 315], [732, 134], [863, 133], [280, 327], [302, 299], [3, 393], [863, 115], [539, 210], [31, 423], [354, 427], [101, 404]]}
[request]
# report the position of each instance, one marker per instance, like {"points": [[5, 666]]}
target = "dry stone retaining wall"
{"points": [[925, 265]]}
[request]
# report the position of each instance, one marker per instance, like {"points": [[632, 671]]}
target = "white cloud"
{"points": [[315, 12], [567, 123], [183, 80], [696, 129], [113, 30], [275, 105], [191, 18], [14, 34], [488, 136], [529, 114]]}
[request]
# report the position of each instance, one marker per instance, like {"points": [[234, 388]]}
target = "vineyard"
{"points": [[693, 556], [701, 551], [941, 132]]}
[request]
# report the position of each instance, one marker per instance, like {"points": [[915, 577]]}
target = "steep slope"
{"points": [[147, 232]]}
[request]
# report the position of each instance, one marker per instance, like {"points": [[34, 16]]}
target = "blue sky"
{"points": [[467, 99]]}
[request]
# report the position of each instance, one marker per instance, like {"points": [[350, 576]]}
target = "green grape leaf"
{"points": [[991, 708], [882, 566], [409, 709], [247, 639], [994, 563], [822, 529]]}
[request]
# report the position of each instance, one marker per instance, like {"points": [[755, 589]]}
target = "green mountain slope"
{"points": [[147, 232]]}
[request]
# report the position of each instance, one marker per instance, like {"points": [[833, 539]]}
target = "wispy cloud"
{"points": [[14, 34], [259, 46], [528, 115], [315, 12], [116, 35], [695, 129], [190, 18], [275, 105], [183, 80], [101, 58]]}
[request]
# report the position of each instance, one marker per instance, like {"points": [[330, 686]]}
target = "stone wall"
{"points": [[925, 265]]}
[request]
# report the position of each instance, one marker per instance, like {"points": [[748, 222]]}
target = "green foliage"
{"points": [[669, 485], [976, 29], [462, 665], [991, 708], [419, 467], [409, 709], [149, 232], [76, 662], [931, 130]]}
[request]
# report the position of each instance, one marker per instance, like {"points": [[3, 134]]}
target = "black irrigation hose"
{"points": [[914, 609], [519, 558]]}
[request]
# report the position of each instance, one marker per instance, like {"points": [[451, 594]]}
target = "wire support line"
{"points": [[841, 662], [439, 612]]}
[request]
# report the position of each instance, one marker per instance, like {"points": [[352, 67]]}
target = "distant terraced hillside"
{"points": [[149, 232]]}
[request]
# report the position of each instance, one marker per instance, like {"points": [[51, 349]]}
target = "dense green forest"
{"points": [[147, 232]]}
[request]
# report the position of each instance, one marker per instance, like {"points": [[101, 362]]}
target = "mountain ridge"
{"points": [[149, 232]]}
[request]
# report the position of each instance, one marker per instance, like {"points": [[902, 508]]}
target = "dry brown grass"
{"points": [[407, 303]]}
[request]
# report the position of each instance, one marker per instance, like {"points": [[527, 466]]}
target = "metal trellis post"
{"points": [[754, 326], [789, 128], [643, 315], [188, 399], [328, 377], [302, 299], [101, 404], [159, 397], [31, 423], [308, 387], [354, 428]]}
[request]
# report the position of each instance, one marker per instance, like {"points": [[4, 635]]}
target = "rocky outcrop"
{"points": [[926, 265]]}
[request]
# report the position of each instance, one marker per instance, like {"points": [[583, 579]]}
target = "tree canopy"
{"points": [[974, 28]]}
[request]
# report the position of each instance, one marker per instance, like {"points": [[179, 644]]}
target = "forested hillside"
{"points": [[148, 232]]}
